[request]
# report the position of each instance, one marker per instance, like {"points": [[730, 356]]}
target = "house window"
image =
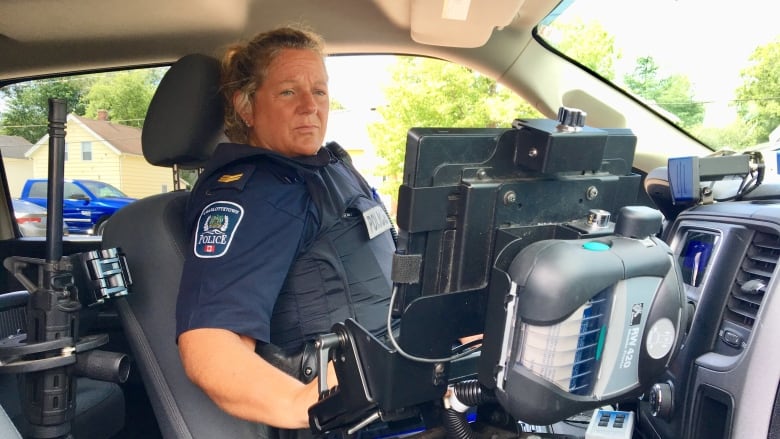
{"points": [[86, 151]]}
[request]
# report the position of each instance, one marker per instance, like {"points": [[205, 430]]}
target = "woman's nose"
{"points": [[308, 104]]}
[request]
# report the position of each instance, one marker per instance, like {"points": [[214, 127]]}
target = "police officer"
{"points": [[287, 238]]}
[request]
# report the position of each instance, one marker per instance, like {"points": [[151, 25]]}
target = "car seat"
{"points": [[100, 405], [182, 127]]}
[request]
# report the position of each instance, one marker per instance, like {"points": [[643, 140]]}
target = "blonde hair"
{"points": [[245, 67]]}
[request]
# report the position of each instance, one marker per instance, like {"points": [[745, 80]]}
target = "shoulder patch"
{"points": [[216, 226]]}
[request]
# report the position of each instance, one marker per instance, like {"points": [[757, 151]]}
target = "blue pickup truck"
{"points": [[87, 203]]}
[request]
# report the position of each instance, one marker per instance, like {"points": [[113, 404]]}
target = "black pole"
{"points": [[48, 395], [57, 118]]}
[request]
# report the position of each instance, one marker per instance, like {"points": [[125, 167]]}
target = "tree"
{"points": [[731, 137], [28, 104], [672, 93], [758, 98], [587, 43], [126, 95], [434, 93]]}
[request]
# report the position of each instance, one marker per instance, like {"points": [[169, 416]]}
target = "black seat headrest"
{"points": [[184, 122]]}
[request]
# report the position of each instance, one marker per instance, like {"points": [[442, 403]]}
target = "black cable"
{"points": [[456, 426], [469, 393]]}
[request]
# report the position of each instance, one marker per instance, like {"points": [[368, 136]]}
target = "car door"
{"points": [[76, 211]]}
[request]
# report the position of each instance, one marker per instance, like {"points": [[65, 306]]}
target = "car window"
{"points": [[103, 190], [711, 70], [38, 189], [375, 100], [72, 191]]}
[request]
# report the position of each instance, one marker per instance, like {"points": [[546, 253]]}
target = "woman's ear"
{"points": [[243, 107]]}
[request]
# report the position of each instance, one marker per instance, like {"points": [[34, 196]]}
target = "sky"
{"points": [[356, 81]]}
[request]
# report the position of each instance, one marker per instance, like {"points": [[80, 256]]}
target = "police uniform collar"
{"points": [[230, 152]]}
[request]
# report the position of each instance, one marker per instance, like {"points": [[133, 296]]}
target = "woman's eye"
{"points": [[286, 93]]}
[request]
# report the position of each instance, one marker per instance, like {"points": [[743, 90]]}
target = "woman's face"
{"points": [[289, 111]]}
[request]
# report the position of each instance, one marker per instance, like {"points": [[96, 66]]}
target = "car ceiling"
{"points": [[40, 37]]}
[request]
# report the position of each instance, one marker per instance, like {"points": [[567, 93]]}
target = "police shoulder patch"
{"points": [[216, 226]]}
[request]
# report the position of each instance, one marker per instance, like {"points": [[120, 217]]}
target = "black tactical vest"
{"points": [[342, 273]]}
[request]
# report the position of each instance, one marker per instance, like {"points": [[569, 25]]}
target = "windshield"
{"points": [[710, 67]]}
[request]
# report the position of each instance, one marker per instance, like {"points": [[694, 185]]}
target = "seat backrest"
{"points": [[182, 127]]}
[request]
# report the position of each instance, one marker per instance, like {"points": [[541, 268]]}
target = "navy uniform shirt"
{"points": [[251, 218], [254, 219]]}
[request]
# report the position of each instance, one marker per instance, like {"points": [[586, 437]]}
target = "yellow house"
{"points": [[18, 167], [105, 151]]}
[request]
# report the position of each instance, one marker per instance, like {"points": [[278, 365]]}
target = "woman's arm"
{"points": [[225, 365]]}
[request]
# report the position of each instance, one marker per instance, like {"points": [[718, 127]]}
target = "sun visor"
{"points": [[460, 23]]}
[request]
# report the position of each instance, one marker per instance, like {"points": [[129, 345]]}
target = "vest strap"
{"points": [[406, 268]]}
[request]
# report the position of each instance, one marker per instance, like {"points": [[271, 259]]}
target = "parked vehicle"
{"points": [[32, 218], [705, 83], [87, 204]]}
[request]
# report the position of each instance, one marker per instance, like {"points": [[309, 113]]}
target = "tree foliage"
{"points": [[427, 92], [673, 93], [27, 104], [588, 43], [731, 137], [758, 98], [126, 95]]}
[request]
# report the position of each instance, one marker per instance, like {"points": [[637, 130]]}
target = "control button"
{"points": [[731, 338], [609, 424], [660, 338], [595, 246], [661, 400]]}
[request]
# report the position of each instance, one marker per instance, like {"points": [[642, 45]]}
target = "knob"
{"points": [[571, 119], [661, 400], [598, 218]]}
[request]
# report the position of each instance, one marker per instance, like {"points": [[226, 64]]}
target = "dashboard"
{"points": [[723, 383]]}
